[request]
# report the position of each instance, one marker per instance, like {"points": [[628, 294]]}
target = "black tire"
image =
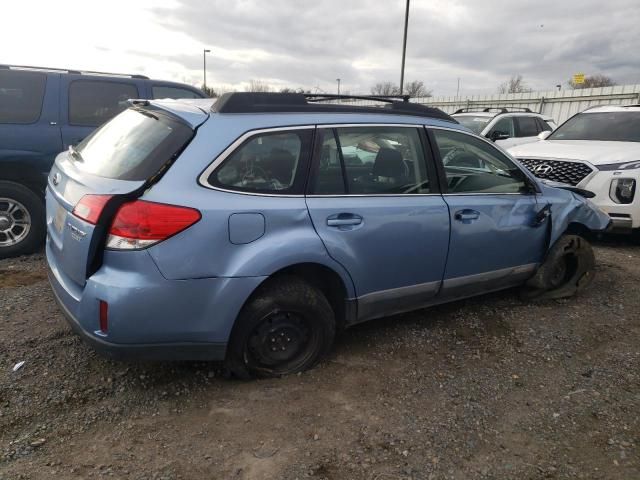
{"points": [[568, 269], [34, 206], [286, 327]]}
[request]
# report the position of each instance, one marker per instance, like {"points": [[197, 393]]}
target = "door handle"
{"points": [[466, 215], [344, 219]]}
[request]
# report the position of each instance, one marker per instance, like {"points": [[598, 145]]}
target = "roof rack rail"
{"points": [[490, 109], [250, 102], [321, 97], [67, 70]]}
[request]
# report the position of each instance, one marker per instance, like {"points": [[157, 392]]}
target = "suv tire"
{"points": [[22, 220], [286, 327], [568, 269]]}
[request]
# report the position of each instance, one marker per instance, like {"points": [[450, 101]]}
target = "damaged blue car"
{"points": [[252, 228]]}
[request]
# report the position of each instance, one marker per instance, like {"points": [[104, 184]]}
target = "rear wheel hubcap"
{"points": [[15, 222]]}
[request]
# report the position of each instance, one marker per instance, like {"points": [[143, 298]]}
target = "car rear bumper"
{"points": [[159, 352], [150, 317]]}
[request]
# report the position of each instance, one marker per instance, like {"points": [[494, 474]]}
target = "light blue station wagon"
{"points": [[251, 229]]}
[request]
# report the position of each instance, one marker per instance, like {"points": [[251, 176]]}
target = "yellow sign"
{"points": [[578, 78]]}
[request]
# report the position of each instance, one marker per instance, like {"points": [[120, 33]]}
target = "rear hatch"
{"points": [[88, 183]]}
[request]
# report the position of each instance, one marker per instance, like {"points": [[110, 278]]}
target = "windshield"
{"points": [[475, 124], [134, 145], [605, 126]]}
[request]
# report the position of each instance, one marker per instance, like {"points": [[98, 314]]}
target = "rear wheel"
{"points": [[22, 223], [568, 269], [285, 328]]}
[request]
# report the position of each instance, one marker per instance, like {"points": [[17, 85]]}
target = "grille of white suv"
{"points": [[571, 173]]}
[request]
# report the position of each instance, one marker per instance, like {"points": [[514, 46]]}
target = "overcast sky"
{"points": [[302, 43]]}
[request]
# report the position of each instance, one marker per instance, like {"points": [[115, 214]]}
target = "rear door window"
{"points": [[93, 102], [160, 91], [21, 96], [371, 161], [527, 127], [132, 146]]}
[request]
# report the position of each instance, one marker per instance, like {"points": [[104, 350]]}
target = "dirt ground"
{"points": [[487, 388]]}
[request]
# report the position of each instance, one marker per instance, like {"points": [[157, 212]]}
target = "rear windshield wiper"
{"points": [[75, 153]]}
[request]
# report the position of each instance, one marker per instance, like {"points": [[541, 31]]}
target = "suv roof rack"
{"points": [[250, 102], [66, 70], [489, 109]]}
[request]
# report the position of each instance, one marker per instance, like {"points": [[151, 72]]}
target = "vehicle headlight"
{"points": [[622, 190]]}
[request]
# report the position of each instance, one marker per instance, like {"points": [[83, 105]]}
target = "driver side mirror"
{"points": [[498, 135], [544, 135]]}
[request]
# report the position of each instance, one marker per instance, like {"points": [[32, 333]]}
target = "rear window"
{"points": [[132, 146], [174, 92], [21, 96], [91, 102]]}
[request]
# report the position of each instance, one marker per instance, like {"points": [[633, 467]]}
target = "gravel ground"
{"points": [[487, 388]]}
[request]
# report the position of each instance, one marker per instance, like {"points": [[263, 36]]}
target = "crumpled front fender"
{"points": [[567, 208]]}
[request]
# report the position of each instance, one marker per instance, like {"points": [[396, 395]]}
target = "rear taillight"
{"points": [[140, 224], [90, 207]]}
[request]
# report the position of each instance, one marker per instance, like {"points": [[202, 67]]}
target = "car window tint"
{"points": [[504, 125], [21, 96], [266, 163], [91, 103], [379, 160], [173, 92], [472, 165], [329, 179], [528, 127]]}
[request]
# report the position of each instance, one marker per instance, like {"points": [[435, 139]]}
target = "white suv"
{"points": [[596, 150], [506, 127]]}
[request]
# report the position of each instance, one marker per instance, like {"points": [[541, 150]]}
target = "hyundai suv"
{"points": [[596, 150], [250, 230], [42, 112], [506, 127]]}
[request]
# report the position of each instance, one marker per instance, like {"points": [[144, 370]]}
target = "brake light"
{"points": [[140, 224], [90, 207]]}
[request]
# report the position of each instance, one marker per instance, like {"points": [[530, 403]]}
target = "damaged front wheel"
{"points": [[568, 269]]}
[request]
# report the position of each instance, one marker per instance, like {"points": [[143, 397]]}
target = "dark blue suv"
{"points": [[42, 112]]}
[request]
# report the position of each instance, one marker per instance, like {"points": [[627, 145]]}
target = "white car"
{"points": [[506, 127], [596, 150]]}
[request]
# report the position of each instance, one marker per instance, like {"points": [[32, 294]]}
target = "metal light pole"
{"points": [[404, 46], [204, 67], [338, 80]]}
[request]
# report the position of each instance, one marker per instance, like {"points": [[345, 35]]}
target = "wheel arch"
{"points": [[338, 289]]}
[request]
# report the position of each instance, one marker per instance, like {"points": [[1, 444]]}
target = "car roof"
{"points": [[613, 108], [195, 111]]}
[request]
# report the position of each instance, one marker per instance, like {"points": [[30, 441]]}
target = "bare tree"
{"points": [[416, 89], [515, 84], [210, 92], [258, 86], [593, 81], [385, 89]]}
